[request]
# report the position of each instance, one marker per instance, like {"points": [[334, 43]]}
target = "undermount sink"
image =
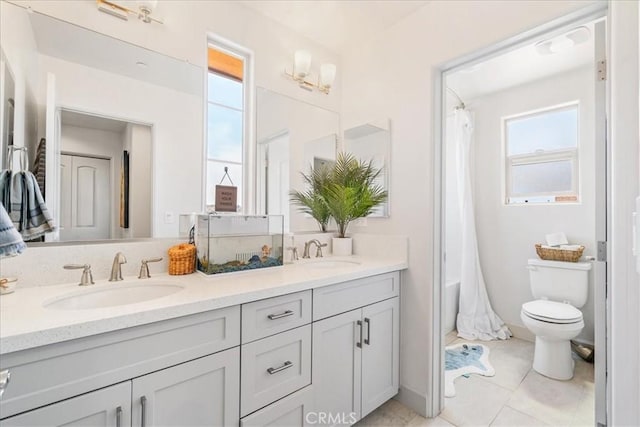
{"points": [[330, 263], [112, 294]]}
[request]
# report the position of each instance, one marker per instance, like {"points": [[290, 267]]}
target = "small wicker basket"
{"points": [[553, 254], [182, 259]]}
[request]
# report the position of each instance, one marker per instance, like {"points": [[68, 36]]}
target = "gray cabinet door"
{"points": [[380, 365], [203, 392], [336, 365], [108, 407]]}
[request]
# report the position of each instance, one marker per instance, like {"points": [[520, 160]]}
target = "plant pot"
{"points": [[342, 246]]}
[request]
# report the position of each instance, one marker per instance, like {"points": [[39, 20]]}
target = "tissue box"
{"points": [[229, 243]]}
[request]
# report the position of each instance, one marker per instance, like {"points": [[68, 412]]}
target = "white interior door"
{"points": [[85, 198], [600, 265]]}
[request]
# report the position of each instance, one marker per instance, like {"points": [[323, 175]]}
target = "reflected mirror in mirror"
{"points": [[104, 162], [292, 136], [75, 84], [372, 141]]}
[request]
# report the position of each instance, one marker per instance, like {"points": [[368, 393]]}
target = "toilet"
{"points": [[560, 289]]}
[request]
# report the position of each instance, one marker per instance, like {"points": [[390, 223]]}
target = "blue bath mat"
{"points": [[464, 359]]}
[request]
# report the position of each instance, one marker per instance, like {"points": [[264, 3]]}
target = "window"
{"points": [[225, 122], [542, 156]]}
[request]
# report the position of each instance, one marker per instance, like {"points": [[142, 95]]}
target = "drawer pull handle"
{"points": [[359, 343], [118, 416], [286, 365], [367, 341], [280, 315], [5, 377], [143, 402]]}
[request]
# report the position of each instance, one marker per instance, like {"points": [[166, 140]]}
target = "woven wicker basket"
{"points": [[553, 254], [182, 259]]}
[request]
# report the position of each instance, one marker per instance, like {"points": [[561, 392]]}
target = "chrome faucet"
{"points": [[319, 247], [116, 268]]}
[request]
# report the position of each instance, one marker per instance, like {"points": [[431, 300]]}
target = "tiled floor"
{"points": [[515, 396]]}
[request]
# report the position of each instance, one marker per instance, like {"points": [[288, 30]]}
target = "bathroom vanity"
{"points": [[278, 347]]}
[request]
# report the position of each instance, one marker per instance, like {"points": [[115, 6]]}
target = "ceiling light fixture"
{"points": [[144, 12], [563, 42], [301, 73]]}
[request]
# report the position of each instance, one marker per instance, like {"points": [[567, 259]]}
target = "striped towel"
{"points": [[40, 164], [11, 243], [27, 210]]}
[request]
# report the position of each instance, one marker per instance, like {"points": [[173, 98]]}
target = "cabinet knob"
{"points": [[359, 343], [119, 416], [5, 376]]}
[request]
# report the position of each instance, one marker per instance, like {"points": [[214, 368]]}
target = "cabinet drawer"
{"points": [[343, 297], [79, 366], [290, 411], [274, 367], [273, 315]]}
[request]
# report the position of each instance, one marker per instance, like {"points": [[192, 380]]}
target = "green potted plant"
{"points": [[350, 192], [311, 200]]}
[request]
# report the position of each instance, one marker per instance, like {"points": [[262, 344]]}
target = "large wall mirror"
{"points": [[115, 123], [292, 136]]}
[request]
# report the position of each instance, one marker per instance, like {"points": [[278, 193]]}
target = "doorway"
{"points": [[519, 197]]}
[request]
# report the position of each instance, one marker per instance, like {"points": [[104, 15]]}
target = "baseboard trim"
{"points": [[522, 333], [412, 399]]}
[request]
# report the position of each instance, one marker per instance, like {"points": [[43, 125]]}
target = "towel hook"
{"points": [[24, 159]]}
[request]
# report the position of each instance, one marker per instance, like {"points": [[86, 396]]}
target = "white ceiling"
{"points": [[518, 67], [336, 25]]}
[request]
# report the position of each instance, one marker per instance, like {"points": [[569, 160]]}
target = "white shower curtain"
{"points": [[476, 319]]}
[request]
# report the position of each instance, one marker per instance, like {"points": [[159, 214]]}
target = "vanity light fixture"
{"points": [[145, 9], [563, 42], [300, 73]]}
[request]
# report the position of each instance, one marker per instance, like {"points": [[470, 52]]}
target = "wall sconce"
{"points": [[300, 73], [145, 8]]}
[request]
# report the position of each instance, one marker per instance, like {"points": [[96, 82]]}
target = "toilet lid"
{"points": [[552, 312]]}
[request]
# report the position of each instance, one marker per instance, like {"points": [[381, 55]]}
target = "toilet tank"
{"points": [[560, 281]]}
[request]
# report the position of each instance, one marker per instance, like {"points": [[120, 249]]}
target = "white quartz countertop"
{"points": [[25, 322]]}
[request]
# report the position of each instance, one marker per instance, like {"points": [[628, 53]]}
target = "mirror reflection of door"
{"points": [[85, 204], [274, 175], [90, 176]]}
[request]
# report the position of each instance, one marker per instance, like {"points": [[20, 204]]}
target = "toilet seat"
{"points": [[552, 312]]}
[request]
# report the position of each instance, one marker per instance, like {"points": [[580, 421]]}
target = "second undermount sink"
{"points": [[330, 263], [112, 294]]}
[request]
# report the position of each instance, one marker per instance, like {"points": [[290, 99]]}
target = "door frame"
{"points": [[435, 387]]}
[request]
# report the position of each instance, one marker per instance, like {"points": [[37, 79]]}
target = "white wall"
{"points": [[140, 147], [507, 233], [393, 76]]}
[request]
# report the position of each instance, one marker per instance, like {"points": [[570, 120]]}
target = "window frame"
{"points": [[248, 126], [541, 156]]}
